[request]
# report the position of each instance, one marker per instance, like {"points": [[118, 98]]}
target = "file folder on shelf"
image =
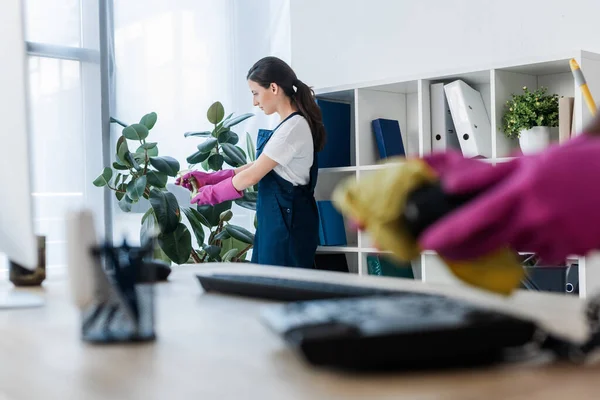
{"points": [[332, 231], [337, 120], [470, 119], [388, 137], [443, 134]]}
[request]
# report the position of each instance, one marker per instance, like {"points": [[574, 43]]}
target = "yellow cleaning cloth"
{"points": [[377, 203]]}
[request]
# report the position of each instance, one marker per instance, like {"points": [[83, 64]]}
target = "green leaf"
{"points": [[213, 251], [237, 120], [117, 180], [229, 161], [222, 235], [226, 216], [165, 164], [231, 253], [149, 120], [119, 167], [215, 162], [204, 165], [157, 179], [197, 157], [194, 217], [104, 178], [228, 137], [234, 153], [122, 150], [177, 244], [125, 204], [147, 214], [135, 188], [166, 210], [232, 243], [248, 201], [207, 145], [198, 134], [228, 117], [215, 113], [151, 147], [240, 233], [122, 188], [159, 254], [212, 214], [250, 147], [136, 132]]}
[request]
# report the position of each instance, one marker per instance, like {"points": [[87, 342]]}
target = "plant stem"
{"points": [[237, 258], [195, 257]]}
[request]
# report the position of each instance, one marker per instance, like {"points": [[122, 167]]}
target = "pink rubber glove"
{"points": [[548, 203], [204, 178], [216, 194]]}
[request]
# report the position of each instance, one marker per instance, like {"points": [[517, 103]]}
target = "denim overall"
{"points": [[287, 231]]}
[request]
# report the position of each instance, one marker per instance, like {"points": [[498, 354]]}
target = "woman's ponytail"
{"points": [[304, 99]]}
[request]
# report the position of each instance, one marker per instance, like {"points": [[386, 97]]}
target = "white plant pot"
{"points": [[535, 139]]}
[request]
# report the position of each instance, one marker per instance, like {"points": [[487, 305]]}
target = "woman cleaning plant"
{"points": [[285, 169]]}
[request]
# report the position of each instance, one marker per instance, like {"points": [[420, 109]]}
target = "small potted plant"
{"points": [[529, 117]]}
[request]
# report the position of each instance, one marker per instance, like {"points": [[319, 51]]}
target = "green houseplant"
{"points": [[529, 116], [144, 174]]}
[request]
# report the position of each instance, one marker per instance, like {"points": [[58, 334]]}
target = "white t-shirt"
{"points": [[291, 146]]}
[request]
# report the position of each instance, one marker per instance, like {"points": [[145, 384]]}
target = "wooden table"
{"points": [[213, 346]]}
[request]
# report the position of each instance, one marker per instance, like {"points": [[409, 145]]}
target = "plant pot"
{"points": [[534, 140]]}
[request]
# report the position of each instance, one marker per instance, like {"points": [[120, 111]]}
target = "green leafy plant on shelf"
{"points": [[529, 109], [143, 174]]}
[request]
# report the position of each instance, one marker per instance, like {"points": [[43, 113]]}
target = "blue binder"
{"points": [[388, 137], [337, 119], [331, 225]]}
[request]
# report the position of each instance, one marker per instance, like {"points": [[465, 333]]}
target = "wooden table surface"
{"points": [[214, 346]]}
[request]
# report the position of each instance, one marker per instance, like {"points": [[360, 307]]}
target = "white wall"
{"points": [[348, 41]]}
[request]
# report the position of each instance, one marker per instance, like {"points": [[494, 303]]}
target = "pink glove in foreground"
{"points": [[548, 203], [215, 194], [204, 178]]}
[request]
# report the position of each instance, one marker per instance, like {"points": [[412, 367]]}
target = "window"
{"points": [[65, 113]]}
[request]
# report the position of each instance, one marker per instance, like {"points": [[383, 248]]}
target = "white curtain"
{"points": [[176, 57]]}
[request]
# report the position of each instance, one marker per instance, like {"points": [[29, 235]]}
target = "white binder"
{"points": [[443, 135], [471, 120]]}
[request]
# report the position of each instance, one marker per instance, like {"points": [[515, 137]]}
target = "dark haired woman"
{"points": [[285, 169]]}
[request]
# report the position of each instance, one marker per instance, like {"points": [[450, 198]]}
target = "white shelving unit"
{"points": [[406, 99]]}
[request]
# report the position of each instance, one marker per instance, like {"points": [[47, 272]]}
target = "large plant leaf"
{"points": [[250, 147], [125, 204], [198, 134], [149, 212], [122, 150], [135, 188], [204, 165], [222, 235], [207, 145], [165, 164], [229, 161], [132, 161], [212, 214], [149, 120], [234, 121], [157, 179], [234, 153], [215, 113], [176, 244], [248, 201], [239, 233], [119, 167], [136, 132], [228, 137], [194, 217], [215, 162], [197, 157], [104, 178], [166, 210]]}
